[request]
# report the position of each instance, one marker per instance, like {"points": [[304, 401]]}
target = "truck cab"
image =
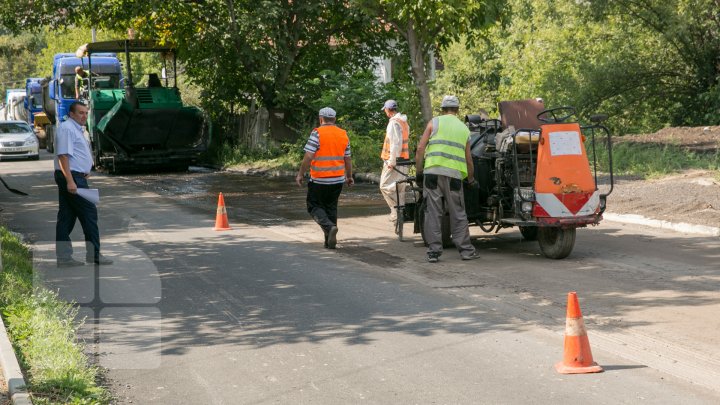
{"points": [[58, 91]]}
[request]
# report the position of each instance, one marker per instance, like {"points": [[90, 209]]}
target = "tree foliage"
{"points": [[648, 64], [17, 59], [431, 25], [272, 50]]}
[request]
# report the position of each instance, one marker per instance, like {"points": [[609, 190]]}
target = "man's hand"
{"points": [[71, 186], [350, 181], [299, 179]]}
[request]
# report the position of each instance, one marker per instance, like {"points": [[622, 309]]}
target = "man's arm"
{"points": [[304, 166], [422, 144], [348, 171], [64, 161]]}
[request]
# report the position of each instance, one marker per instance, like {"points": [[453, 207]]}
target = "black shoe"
{"points": [[332, 237], [101, 260], [433, 257], [69, 263]]}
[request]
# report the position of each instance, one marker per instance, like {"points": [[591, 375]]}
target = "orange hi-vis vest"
{"points": [[405, 153], [329, 160]]}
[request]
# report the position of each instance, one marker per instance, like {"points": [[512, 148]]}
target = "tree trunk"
{"points": [[417, 63]]}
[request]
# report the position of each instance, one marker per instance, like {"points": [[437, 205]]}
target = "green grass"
{"points": [[43, 333], [650, 160]]}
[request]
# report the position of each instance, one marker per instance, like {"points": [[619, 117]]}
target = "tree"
{"points": [[430, 25], [269, 49], [17, 58]]}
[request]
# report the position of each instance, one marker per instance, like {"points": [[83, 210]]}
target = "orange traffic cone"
{"points": [[221, 219], [577, 358]]}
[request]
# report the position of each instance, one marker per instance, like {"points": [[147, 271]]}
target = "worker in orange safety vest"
{"points": [[397, 136], [327, 155]]}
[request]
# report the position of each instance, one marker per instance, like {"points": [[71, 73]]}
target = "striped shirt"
{"points": [[312, 146]]}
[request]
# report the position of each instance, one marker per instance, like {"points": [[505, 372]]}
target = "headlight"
{"points": [[526, 206], [30, 140]]}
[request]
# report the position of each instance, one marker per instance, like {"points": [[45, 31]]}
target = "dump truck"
{"points": [[58, 90], [141, 127], [34, 114], [14, 104]]}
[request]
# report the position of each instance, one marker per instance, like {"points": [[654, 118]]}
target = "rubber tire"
{"points": [[400, 223], [444, 226], [529, 232], [556, 243]]}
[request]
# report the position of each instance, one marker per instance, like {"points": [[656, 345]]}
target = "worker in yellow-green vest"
{"points": [[443, 161]]}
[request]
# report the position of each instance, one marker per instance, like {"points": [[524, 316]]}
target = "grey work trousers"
{"points": [[445, 193]]}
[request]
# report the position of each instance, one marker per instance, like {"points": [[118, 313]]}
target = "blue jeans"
{"points": [[72, 207]]}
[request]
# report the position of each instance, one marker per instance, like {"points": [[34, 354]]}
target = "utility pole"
{"points": [[94, 34]]}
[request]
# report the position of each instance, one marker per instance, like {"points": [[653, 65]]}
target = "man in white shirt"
{"points": [[397, 136], [73, 162]]}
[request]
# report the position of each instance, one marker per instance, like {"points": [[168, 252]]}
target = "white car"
{"points": [[18, 141]]}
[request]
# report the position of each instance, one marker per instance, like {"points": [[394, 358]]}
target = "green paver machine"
{"points": [[142, 127]]}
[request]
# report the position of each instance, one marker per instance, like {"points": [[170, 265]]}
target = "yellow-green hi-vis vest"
{"points": [[447, 147]]}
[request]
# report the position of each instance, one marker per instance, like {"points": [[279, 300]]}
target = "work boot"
{"points": [[473, 256], [332, 237]]}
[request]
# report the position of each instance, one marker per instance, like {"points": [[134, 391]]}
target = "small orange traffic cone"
{"points": [[577, 358], [221, 219]]}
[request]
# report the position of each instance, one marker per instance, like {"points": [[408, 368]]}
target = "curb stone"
{"points": [[11, 370], [657, 223]]}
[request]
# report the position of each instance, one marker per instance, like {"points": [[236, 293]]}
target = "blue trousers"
{"points": [[72, 207]]}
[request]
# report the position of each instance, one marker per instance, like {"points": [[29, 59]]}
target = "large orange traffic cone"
{"points": [[577, 358], [221, 219]]}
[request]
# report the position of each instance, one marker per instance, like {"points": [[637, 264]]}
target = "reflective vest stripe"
{"points": [[449, 143], [329, 159], [445, 155], [328, 169]]}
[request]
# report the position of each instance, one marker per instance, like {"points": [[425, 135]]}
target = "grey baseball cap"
{"points": [[327, 112], [390, 104], [450, 101]]}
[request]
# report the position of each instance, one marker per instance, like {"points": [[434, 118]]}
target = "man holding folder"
{"points": [[73, 162]]}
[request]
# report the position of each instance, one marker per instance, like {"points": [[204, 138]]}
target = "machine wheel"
{"points": [[556, 243], [444, 226], [50, 138], [400, 222], [529, 232]]}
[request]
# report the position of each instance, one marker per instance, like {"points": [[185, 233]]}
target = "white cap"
{"points": [[450, 101], [327, 112]]}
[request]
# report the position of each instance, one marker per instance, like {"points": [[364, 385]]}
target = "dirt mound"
{"points": [[696, 139], [692, 197]]}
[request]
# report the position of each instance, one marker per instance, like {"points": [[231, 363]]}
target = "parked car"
{"points": [[18, 141]]}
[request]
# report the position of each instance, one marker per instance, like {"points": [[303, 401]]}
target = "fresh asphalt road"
{"points": [[263, 314]]}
